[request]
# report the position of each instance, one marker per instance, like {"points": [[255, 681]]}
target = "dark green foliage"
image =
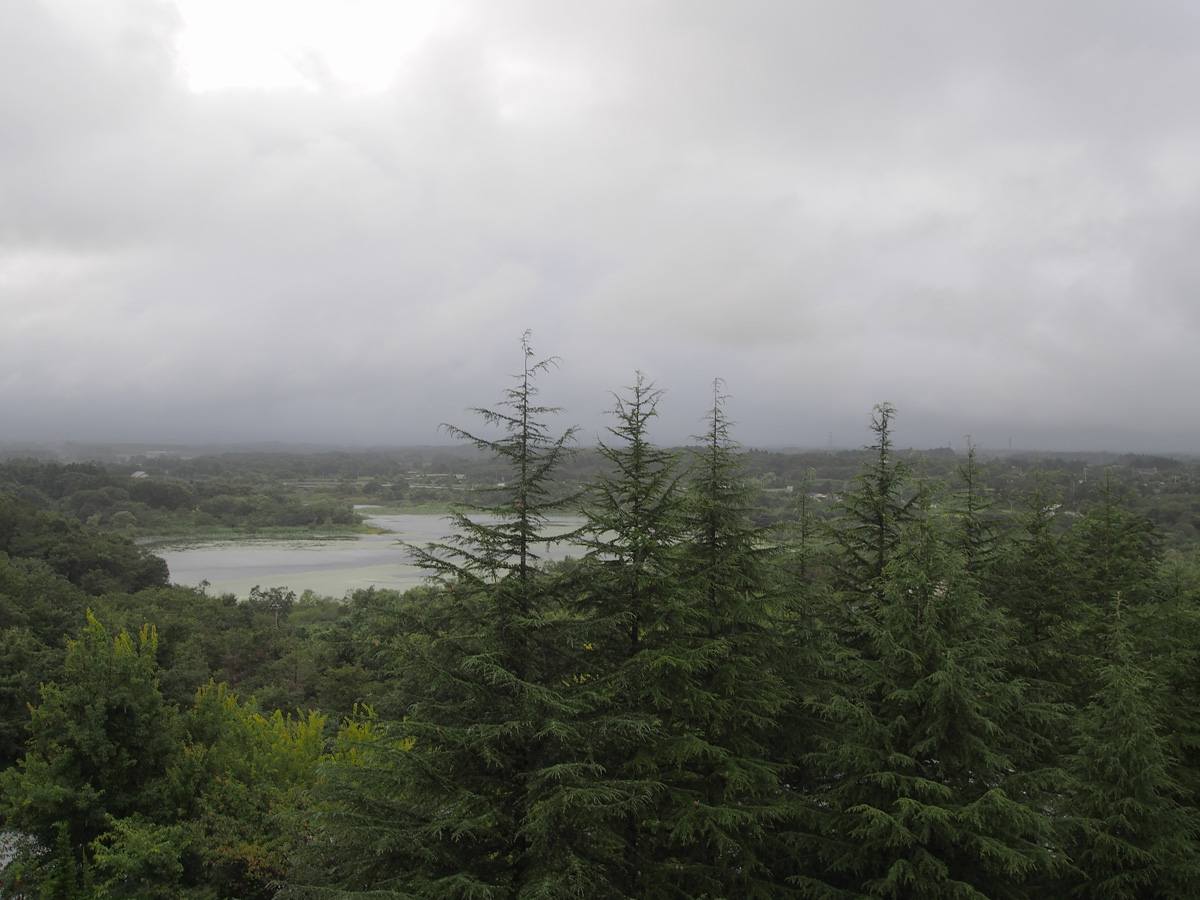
{"points": [[98, 563], [918, 794], [680, 673], [1037, 584], [144, 801], [161, 494], [635, 524], [976, 683], [626, 605], [716, 683], [466, 797], [802, 539], [52, 481], [163, 504], [487, 552], [101, 743], [1135, 831], [1117, 552], [979, 524], [919, 798], [38, 609], [875, 513]]}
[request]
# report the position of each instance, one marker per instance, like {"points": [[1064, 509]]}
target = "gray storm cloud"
{"points": [[982, 213]]}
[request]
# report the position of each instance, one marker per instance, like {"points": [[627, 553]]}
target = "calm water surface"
{"points": [[328, 566]]}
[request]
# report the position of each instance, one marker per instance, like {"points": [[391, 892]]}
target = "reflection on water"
{"points": [[327, 566]]}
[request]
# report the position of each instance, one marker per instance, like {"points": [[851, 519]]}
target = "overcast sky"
{"points": [[331, 221]]}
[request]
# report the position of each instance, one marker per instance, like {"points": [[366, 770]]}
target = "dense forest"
{"points": [[763, 675]]}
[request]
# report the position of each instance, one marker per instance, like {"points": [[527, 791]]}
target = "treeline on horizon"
{"points": [[926, 688], [278, 492]]}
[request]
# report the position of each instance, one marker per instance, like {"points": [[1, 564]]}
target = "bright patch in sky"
{"points": [[269, 44]]}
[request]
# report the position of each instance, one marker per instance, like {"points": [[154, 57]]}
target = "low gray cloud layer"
{"points": [[983, 213]]}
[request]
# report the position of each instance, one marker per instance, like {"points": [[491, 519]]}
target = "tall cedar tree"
{"points": [[802, 540], [1137, 832], [876, 512], [978, 536], [1116, 554], [1004, 561], [627, 591], [634, 527], [1035, 582], [715, 682], [1040, 588], [1137, 640], [682, 674], [464, 797], [915, 799]]}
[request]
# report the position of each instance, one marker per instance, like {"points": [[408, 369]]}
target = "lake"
{"points": [[330, 567]]}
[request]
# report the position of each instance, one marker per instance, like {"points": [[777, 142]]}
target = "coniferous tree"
{"points": [[1170, 632], [682, 679], [916, 796], [464, 797], [876, 512], [1116, 552], [1109, 553], [1038, 587], [811, 668], [1137, 831], [802, 539], [1137, 640], [629, 583], [978, 536], [718, 687], [635, 526], [1035, 582], [626, 590]]}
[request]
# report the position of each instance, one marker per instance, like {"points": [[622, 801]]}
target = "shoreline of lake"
{"points": [[330, 566]]}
